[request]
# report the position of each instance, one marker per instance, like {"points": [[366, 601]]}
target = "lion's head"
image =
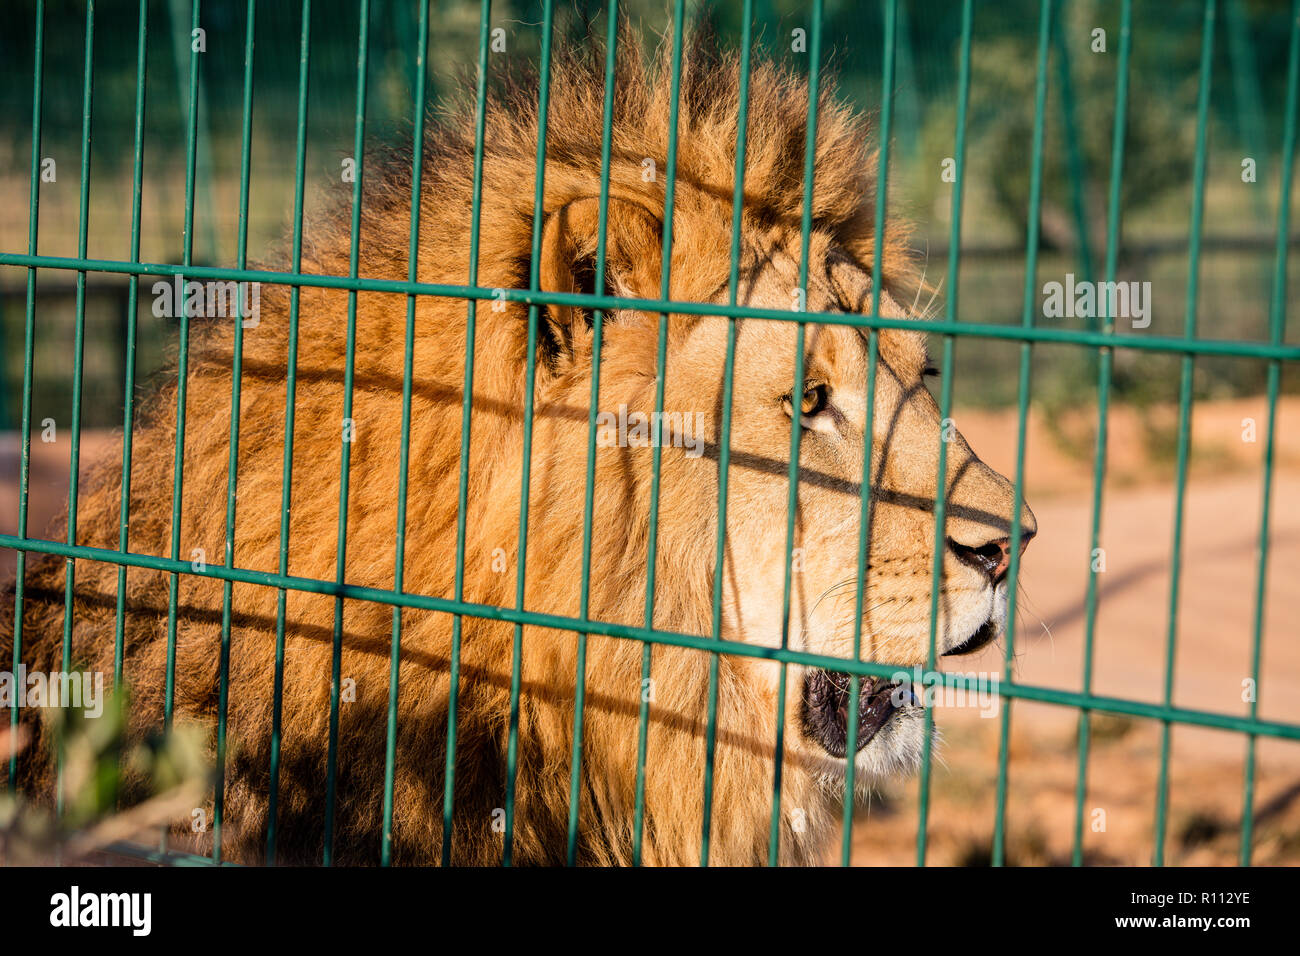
{"points": [[831, 414]]}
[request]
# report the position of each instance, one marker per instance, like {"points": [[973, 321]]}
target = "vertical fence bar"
{"points": [[453, 678], [1184, 416], [724, 446], [530, 378], [181, 40], [796, 426], [945, 399], [1018, 494], [588, 504], [291, 390], [6, 412], [638, 811], [866, 512], [128, 386], [182, 383], [29, 345], [232, 467], [661, 360], [345, 465], [78, 349], [1245, 86], [661, 372], [869, 431], [1277, 328], [1075, 168], [403, 470], [1103, 414]]}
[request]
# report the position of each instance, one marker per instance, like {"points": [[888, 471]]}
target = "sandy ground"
{"points": [[1214, 631]]}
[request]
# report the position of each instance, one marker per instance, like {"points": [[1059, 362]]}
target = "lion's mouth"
{"points": [[824, 710], [985, 634]]}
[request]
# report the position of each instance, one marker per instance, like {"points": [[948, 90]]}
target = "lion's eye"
{"points": [[815, 400], [930, 371]]}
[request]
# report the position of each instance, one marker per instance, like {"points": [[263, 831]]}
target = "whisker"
{"points": [[926, 313], [1026, 605]]}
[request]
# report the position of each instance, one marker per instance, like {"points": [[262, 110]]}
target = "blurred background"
{"points": [[1215, 614]]}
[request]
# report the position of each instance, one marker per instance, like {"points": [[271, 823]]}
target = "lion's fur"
{"points": [[843, 211]]}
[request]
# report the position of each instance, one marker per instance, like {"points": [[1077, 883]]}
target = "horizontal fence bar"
{"points": [[1148, 249], [162, 857], [1016, 333], [1006, 689], [935, 251]]}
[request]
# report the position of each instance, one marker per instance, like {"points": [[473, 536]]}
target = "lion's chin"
{"points": [[894, 752]]}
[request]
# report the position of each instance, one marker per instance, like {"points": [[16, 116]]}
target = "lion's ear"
{"points": [[633, 253]]}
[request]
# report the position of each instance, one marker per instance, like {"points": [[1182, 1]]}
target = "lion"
{"points": [[329, 643]]}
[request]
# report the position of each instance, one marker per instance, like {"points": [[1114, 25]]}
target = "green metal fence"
{"points": [[1103, 341]]}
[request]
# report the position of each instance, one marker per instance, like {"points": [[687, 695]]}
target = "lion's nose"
{"points": [[993, 557]]}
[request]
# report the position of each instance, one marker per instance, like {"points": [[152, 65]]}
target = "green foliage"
{"points": [[100, 763], [1157, 139]]}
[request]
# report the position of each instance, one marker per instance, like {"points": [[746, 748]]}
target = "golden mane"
{"points": [[844, 187]]}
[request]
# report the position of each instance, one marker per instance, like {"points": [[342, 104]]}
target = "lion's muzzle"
{"points": [[824, 710]]}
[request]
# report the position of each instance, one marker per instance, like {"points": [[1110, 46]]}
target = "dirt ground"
{"points": [[1214, 630]]}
